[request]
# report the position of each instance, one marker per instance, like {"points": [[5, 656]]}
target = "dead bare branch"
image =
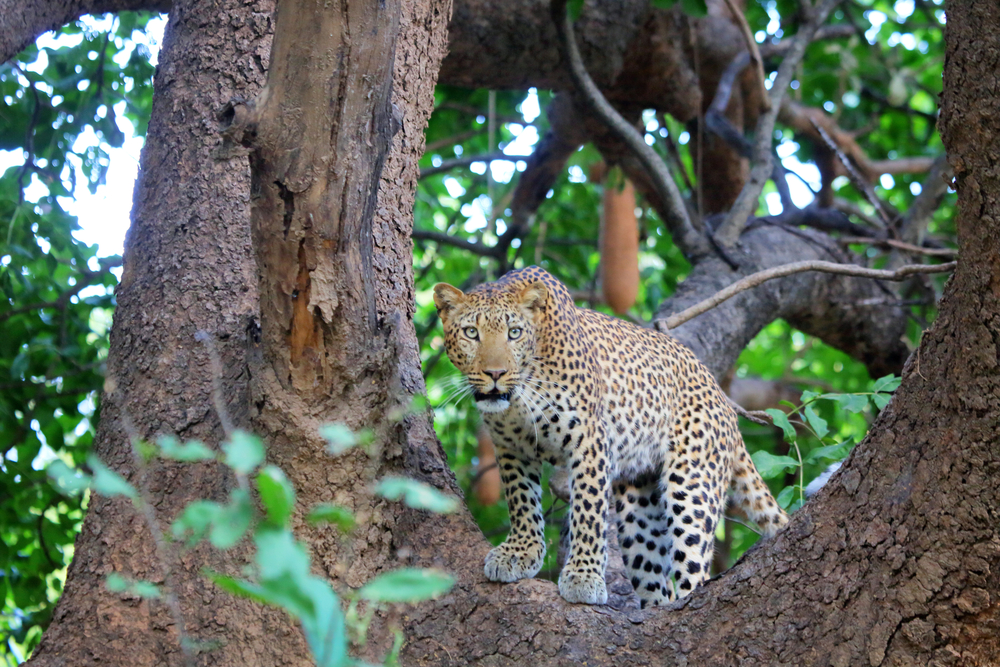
{"points": [[899, 245], [755, 279]]}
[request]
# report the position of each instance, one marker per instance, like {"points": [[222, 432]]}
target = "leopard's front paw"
{"points": [[582, 587], [510, 563]]}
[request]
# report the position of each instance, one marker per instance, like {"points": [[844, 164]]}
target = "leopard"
{"points": [[630, 412]]}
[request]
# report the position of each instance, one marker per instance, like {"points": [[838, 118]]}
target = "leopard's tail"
{"points": [[751, 495]]}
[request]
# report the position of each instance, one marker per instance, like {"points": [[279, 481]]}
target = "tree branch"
{"points": [[676, 218], [746, 202], [755, 279], [22, 22], [464, 161]]}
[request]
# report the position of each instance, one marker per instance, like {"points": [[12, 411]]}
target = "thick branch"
{"points": [[676, 218], [22, 22]]}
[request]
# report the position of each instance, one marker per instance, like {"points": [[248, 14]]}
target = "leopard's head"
{"points": [[491, 335]]}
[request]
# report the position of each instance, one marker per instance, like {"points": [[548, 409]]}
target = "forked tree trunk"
{"points": [[897, 562]]}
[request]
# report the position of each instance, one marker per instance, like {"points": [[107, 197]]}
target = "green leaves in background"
{"points": [[341, 517], [770, 466]]}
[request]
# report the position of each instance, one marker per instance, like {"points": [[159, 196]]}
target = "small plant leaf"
{"points": [[339, 516], [231, 521], [786, 496], [830, 452], [195, 521], [109, 483], [851, 402], [68, 480], [817, 423], [171, 448], [119, 584], [416, 494], [696, 8], [780, 420], [407, 585], [339, 438], [244, 452], [769, 465], [881, 400], [887, 384], [276, 494]]}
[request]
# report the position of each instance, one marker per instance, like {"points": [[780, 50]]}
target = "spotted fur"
{"points": [[630, 411]]}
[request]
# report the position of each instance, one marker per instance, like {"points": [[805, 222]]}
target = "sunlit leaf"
{"points": [[407, 585], [769, 465], [276, 494], [416, 494], [244, 452], [109, 483], [780, 420], [193, 450], [339, 516]]}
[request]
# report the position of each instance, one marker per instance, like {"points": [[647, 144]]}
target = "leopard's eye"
{"points": [[471, 332], [514, 333]]}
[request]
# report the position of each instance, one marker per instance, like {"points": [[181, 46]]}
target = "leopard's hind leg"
{"points": [[643, 538]]}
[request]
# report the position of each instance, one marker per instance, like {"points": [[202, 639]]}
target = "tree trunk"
{"points": [[188, 267]]}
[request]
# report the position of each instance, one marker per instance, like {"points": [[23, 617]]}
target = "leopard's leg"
{"points": [[694, 500], [521, 555], [644, 538], [582, 578]]}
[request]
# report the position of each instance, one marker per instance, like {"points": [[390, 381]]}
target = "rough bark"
{"points": [[333, 186], [188, 267]]}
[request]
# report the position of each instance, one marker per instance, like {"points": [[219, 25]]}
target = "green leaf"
{"points": [[109, 483], [407, 585], [239, 587], [276, 494], [786, 496], [119, 584], [68, 480], [887, 384], [770, 466], [339, 516], [809, 395], [195, 521], [231, 521], [852, 402], [193, 450], [830, 452], [881, 400], [780, 420], [416, 494], [817, 423], [696, 8], [339, 438], [663, 4], [574, 7], [244, 452]]}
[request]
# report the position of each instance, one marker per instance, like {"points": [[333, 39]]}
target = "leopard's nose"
{"points": [[496, 374]]}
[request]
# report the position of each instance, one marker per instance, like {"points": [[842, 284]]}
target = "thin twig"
{"points": [[675, 214], [741, 21], [163, 553], [447, 239], [755, 279], [448, 165], [731, 228], [899, 245], [856, 178], [218, 398]]}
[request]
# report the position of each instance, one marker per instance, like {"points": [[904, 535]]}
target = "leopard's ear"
{"points": [[535, 296], [447, 297]]}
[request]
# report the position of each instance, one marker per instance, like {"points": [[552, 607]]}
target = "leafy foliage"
{"points": [[62, 107]]}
